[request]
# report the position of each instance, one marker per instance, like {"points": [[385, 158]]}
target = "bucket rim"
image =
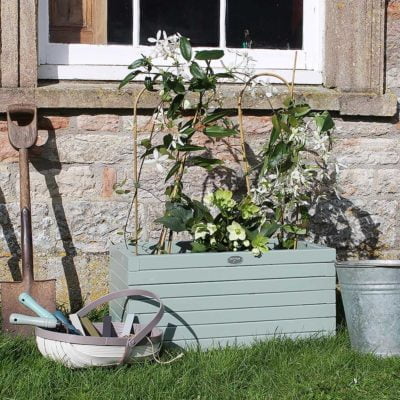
{"points": [[368, 264]]}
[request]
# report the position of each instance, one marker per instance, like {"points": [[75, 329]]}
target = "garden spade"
{"points": [[22, 134]]}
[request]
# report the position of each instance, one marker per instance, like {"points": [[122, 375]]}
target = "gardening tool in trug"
{"points": [[22, 134]]}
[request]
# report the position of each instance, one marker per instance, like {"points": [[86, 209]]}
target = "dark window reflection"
{"points": [[120, 22], [198, 20], [262, 24]]}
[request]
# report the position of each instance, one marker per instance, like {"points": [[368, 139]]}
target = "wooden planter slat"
{"points": [[210, 301]]}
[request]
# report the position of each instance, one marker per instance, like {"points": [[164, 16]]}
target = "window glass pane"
{"points": [[198, 20], [120, 22], [261, 24]]}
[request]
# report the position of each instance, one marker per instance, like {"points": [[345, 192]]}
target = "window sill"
{"points": [[105, 95]]}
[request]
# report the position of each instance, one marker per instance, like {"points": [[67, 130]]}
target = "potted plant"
{"points": [[244, 274]]}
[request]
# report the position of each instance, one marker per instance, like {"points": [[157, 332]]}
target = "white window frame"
{"points": [[109, 62]]}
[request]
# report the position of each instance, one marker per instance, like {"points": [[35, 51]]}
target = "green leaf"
{"points": [[279, 154], [201, 85], [294, 229], [167, 140], [172, 171], [214, 117], [197, 71], [276, 130], [128, 78], [200, 212], [148, 83], [300, 111], [178, 87], [122, 191], [224, 75], [186, 48], [268, 229], [209, 55], [175, 218], [288, 102], [190, 147], [188, 131], [207, 163], [198, 247], [324, 121], [174, 107], [219, 131], [137, 63], [146, 143]]}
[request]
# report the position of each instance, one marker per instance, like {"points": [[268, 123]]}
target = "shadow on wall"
{"points": [[11, 239], [340, 224], [233, 179], [49, 169]]}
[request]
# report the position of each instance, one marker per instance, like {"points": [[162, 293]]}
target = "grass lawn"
{"points": [[321, 368]]}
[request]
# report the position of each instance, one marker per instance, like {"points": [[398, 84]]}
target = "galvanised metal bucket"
{"points": [[371, 300]]}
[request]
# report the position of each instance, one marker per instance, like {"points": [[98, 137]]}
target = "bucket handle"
{"points": [[138, 337]]}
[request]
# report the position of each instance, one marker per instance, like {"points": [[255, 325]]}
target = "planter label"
{"points": [[235, 260]]}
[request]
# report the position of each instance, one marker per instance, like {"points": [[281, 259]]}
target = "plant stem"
{"points": [[293, 75], [177, 180], [135, 168], [245, 162]]}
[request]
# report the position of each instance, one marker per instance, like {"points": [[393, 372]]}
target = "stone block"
{"points": [[108, 182], [101, 122], [144, 123], [68, 182], [363, 152], [369, 182], [92, 225], [3, 126], [53, 122], [107, 148]]}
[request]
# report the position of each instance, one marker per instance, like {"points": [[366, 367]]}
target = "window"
{"points": [[97, 39]]}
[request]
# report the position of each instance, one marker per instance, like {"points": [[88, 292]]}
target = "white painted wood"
{"points": [[76, 322], [109, 59], [83, 356], [313, 44], [116, 73], [136, 23], [222, 23]]}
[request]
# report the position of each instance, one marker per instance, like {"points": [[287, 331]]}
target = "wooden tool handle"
{"points": [[27, 247], [24, 183]]}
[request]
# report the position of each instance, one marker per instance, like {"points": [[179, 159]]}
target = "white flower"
{"points": [[157, 39], [209, 198], [213, 241], [157, 160], [177, 139], [200, 234], [187, 105], [200, 231], [212, 228], [236, 232], [256, 252], [246, 243], [166, 47]]}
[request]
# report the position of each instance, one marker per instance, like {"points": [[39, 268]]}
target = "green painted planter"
{"points": [[217, 299]]}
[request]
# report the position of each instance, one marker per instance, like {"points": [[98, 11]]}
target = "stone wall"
{"points": [[82, 154]]}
